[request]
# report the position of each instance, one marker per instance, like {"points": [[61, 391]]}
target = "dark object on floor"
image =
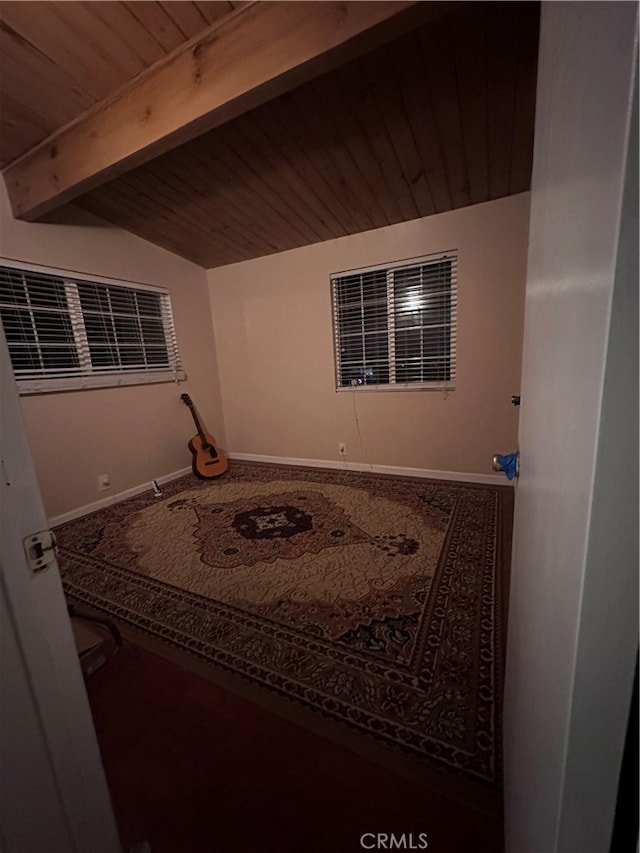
{"points": [[89, 617], [95, 646]]}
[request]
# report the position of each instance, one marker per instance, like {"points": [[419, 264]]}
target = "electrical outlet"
{"points": [[342, 448], [104, 482]]}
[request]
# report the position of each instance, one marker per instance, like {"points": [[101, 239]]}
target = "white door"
{"points": [[53, 791], [573, 618]]}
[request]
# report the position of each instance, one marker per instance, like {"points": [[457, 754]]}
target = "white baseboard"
{"points": [[112, 499], [456, 476]]}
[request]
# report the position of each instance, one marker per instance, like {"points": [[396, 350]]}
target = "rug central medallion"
{"points": [[271, 522], [293, 523]]}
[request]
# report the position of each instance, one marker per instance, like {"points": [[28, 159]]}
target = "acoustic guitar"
{"points": [[207, 461]]}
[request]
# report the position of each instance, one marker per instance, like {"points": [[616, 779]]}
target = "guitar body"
{"points": [[208, 461]]}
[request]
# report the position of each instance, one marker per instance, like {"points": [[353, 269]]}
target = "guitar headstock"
{"points": [[186, 399]]}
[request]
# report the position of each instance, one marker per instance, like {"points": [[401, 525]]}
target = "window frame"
{"points": [[452, 321], [88, 376]]}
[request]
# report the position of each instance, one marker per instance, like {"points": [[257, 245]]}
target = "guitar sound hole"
{"points": [[211, 451]]}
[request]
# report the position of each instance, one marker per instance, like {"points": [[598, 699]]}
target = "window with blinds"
{"points": [[66, 332], [395, 326]]}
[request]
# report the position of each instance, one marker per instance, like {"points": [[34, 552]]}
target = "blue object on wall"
{"points": [[508, 464]]}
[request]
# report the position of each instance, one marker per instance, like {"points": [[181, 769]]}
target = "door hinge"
{"points": [[40, 550]]}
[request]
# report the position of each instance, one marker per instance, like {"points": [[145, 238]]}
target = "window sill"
{"points": [[422, 386], [28, 387]]}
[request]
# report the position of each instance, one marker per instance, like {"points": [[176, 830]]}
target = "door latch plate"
{"points": [[40, 550]]}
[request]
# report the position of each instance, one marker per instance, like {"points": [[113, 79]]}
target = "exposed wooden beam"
{"points": [[257, 53]]}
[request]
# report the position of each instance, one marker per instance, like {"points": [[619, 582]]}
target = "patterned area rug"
{"points": [[375, 602]]}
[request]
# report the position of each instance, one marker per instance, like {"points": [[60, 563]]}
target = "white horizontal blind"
{"points": [[68, 332], [395, 326]]}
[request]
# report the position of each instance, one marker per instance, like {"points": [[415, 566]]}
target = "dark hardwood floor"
{"points": [[194, 768]]}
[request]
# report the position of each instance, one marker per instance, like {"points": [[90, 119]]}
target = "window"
{"points": [[67, 332], [395, 326]]}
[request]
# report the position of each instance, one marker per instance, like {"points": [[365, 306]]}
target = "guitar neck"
{"points": [[199, 427]]}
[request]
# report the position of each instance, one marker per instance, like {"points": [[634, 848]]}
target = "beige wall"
{"points": [[273, 328], [133, 433], [273, 337]]}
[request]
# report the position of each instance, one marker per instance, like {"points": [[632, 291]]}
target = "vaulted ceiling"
{"points": [[224, 131]]}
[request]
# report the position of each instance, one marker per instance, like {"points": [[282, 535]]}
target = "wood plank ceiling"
{"points": [[436, 119]]}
